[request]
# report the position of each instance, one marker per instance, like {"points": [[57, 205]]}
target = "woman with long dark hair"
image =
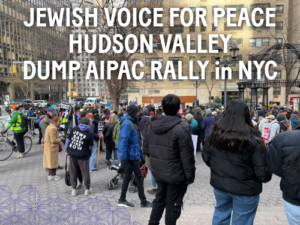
{"points": [[236, 157], [283, 159]]}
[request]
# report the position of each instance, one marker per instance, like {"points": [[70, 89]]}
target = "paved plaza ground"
{"points": [[24, 187]]}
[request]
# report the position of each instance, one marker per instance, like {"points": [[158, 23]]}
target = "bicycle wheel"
{"points": [[5, 151], [27, 144]]}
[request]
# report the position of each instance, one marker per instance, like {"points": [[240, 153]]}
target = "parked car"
{"points": [[96, 101], [211, 105], [57, 103], [43, 103], [26, 103]]}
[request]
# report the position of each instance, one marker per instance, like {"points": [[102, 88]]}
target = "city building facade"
{"points": [[19, 44], [250, 41]]}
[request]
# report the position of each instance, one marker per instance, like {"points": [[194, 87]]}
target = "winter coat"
{"points": [[168, 143], [129, 145], [261, 113], [45, 124], [293, 123], [108, 131], [208, 123], [143, 122], [235, 173], [51, 143], [283, 156], [195, 127], [14, 122], [219, 116], [199, 120], [94, 130], [262, 125], [30, 113]]}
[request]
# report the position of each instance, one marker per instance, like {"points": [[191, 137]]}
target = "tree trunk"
{"points": [[116, 101], [209, 96]]}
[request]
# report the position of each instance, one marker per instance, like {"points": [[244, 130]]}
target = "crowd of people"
{"points": [[242, 147]]}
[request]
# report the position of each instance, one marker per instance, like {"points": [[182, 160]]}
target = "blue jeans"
{"points": [[292, 213], [243, 208], [71, 124], [93, 156], [108, 154], [153, 180]]}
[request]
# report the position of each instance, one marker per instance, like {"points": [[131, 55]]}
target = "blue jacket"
{"points": [[30, 113], [208, 123], [129, 145], [293, 122]]}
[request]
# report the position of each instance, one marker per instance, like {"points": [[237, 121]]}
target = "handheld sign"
{"points": [[266, 134], [100, 126]]}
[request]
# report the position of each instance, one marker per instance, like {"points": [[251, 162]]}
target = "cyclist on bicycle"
{"points": [[19, 132]]}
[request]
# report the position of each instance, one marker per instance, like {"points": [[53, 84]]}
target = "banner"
{"points": [[64, 110]]}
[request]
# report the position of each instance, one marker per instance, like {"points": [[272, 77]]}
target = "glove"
{"points": [[123, 166]]}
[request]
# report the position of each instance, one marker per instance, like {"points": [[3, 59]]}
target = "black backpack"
{"points": [[24, 123]]}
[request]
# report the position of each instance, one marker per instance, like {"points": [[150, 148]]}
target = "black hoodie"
{"points": [[168, 143]]}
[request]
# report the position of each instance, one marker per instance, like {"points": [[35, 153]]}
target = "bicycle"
{"points": [[7, 146]]}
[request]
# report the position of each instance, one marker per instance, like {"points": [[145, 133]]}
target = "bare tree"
{"points": [[289, 60], [115, 86]]}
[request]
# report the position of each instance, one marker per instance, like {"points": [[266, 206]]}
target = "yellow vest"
{"points": [[17, 126]]}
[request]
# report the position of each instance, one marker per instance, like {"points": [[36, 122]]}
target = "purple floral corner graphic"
{"points": [[27, 207]]}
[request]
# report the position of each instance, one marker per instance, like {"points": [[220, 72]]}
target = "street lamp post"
{"points": [[233, 53], [196, 84]]}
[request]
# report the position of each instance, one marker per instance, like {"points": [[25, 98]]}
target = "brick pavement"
{"points": [[198, 203]]}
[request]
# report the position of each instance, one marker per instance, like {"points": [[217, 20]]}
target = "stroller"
{"points": [[132, 183]]}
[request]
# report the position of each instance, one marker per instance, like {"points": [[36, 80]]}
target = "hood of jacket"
{"points": [[194, 124], [145, 119], [84, 127], [264, 121], [126, 117], [160, 124]]}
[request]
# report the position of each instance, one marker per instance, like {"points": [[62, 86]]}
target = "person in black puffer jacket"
{"points": [[168, 143], [236, 157], [283, 159], [108, 131]]}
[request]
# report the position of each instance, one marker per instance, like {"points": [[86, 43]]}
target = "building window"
{"points": [[148, 61], [192, 45], [157, 45], [214, 28], [214, 7], [237, 7], [175, 60], [262, 6], [202, 28], [192, 28], [227, 58], [279, 9], [276, 91], [192, 58], [213, 75], [278, 74], [238, 42], [258, 42], [203, 44], [226, 28], [177, 29], [278, 41], [279, 26], [203, 59]]}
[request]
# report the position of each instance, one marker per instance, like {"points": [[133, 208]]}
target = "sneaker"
{"points": [[146, 204], [124, 203], [50, 177], [108, 162], [20, 156], [88, 192], [152, 192], [94, 170], [74, 193], [56, 177]]}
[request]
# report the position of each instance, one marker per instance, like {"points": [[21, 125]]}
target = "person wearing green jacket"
{"points": [[19, 132]]}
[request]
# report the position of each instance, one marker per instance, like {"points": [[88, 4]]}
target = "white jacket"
{"points": [[274, 130], [262, 125]]}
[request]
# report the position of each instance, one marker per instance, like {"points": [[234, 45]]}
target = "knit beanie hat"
{"points": [[189, 116], [132, 110]]}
